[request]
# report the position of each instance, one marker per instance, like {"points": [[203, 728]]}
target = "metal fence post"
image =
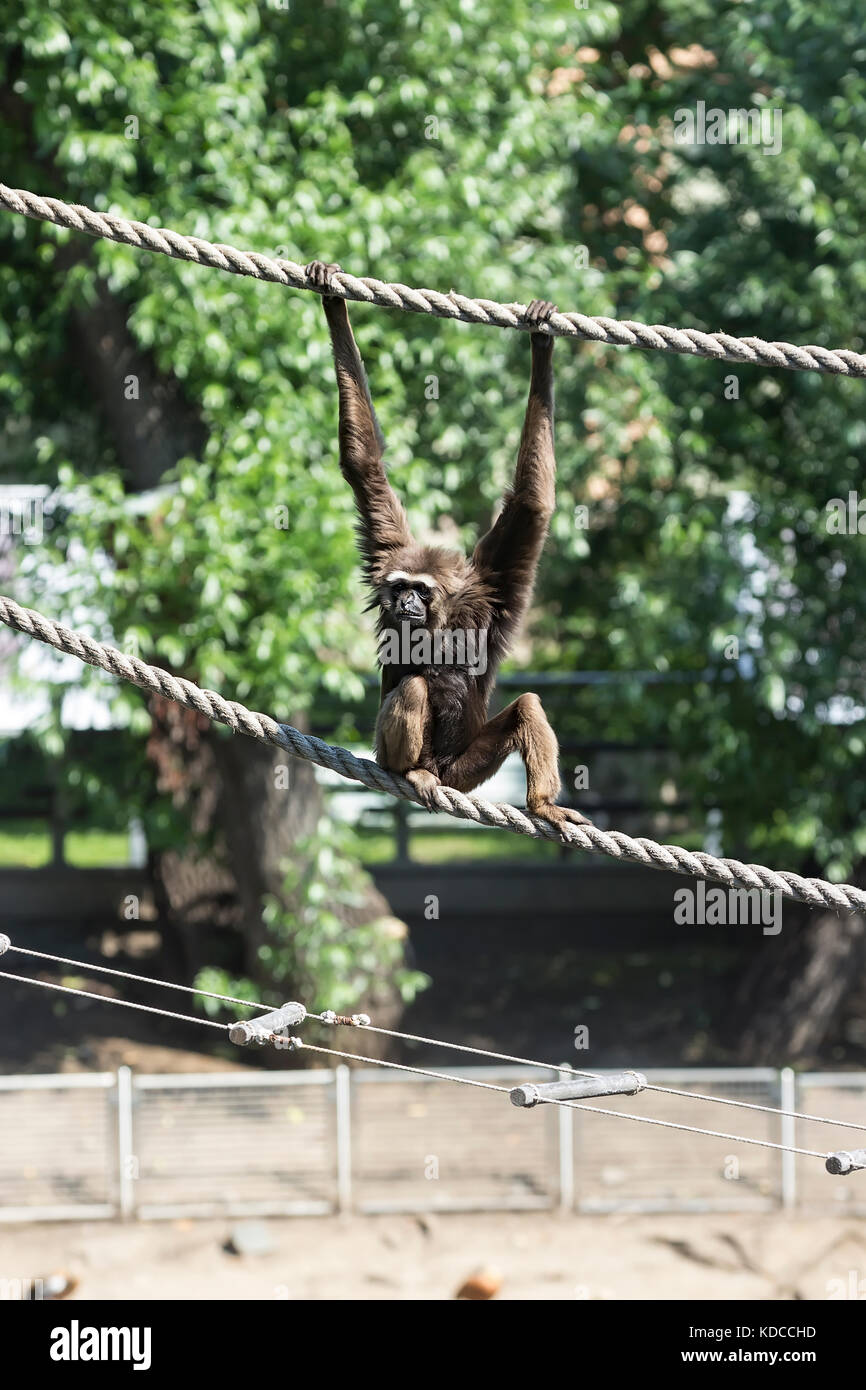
{"points": [[125, 1146], [788, 1101], [401, 833], [566, 1152], [343, 1106]]}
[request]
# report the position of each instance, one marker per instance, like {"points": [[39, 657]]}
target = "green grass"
{"points": [[24, 845], [443, 847], [96, 849], [27, 845]]}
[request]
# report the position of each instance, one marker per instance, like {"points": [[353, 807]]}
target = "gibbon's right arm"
{"points": [[382, 520]]}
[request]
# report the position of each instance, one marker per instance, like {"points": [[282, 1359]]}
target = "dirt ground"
{"points": [[538, 1257]]}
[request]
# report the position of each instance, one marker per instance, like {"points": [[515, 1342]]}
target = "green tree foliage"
{"points": [[511, 150]]}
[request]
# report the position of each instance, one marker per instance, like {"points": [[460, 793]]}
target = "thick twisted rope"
{"points": [[814, 891], [657, 337]]}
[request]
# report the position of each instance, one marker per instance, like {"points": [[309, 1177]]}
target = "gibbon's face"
{"points": [[412, 598], [420, 587]]}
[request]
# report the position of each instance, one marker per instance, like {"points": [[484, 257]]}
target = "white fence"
{"points": [[307, 1143]]}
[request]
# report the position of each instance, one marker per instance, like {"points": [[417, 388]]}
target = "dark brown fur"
{"points": [[433, 725]]}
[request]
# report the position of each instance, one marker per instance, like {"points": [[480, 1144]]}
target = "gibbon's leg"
{"points": [[521, 727], [403, 735], [402, 725]]}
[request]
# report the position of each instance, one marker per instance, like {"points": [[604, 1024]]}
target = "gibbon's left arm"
{"points": [[507, 558], [382, 520], [508, 555], [403, 725]]}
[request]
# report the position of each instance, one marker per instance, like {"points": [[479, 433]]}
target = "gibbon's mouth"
{"points": [[410, 606]]}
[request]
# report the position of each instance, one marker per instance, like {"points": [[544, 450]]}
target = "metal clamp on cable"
{"points": [[842, 1163], [5, 944], [259, 1030], [620, 1083]]}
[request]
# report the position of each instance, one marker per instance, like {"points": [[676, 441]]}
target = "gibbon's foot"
{"points": [[558, 815], [539, 312], [425, 784], [320, 273]]}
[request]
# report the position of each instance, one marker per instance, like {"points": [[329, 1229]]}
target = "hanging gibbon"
{"points": [[446, 619]]}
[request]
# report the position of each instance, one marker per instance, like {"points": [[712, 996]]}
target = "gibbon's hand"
{"points": [[321, 275], [538, 312]]}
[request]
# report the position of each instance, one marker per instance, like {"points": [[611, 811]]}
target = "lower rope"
{"points": [[816, 892]]}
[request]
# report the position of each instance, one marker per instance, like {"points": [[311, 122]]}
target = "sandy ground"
{"points": [[736, 1256]]}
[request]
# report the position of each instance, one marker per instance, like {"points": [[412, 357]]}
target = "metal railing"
{"points": [[308, 1143]]}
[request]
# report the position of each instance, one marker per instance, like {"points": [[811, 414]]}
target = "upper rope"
{"points": [[814, 891], [658, 337]]}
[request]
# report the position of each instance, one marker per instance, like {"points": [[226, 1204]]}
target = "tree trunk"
{"points": [[796, 989], [250, 806], [261, 821], [271, 802], [156, 425]]}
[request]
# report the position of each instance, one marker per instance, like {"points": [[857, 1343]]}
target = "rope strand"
{"points": [[567, 1070], [298, 1044], [140, 979], [569, 1104], [109, 999], [658, 337]]}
